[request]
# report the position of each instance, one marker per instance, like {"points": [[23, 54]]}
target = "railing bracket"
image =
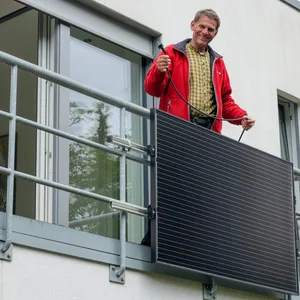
{"points": [[150, 150], [7, 255], [113, 275], [126, 144], [151, 213], [210, 290]]}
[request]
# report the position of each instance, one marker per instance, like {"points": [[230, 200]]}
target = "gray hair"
{"points": [[208, 13]]}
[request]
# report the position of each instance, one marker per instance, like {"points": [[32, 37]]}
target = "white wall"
{"points": [[260, 44], [36, 275]]}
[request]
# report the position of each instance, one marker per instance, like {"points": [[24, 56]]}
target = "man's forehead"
{"points": [[206, 19]]}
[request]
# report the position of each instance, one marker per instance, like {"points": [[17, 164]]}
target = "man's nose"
{"points": [[205, 30]]}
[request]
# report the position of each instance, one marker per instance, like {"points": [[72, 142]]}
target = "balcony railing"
{"points": [[119, 205]]}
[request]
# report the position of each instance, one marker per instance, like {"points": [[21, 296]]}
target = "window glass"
{"points": [[117, 72], [283, 134]]}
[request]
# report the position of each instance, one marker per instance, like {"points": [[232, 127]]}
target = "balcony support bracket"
{"points": [[115, 275], [7, 255], [210, 290]]}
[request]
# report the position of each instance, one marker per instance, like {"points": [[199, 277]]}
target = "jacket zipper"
{"points": [[188, 99], [217, 102]]}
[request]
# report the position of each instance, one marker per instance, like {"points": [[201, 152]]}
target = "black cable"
{"points": [[198, 110], [241, 134], [160, 46]]}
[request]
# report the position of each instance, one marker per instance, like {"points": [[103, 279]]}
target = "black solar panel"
{"points": [[223, 208]]}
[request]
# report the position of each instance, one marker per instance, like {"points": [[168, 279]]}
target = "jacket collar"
{"points": [[181, 47]]}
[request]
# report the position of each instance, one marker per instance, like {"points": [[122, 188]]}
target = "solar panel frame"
{"points": [[258, 245]]}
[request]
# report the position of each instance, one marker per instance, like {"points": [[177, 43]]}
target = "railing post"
{"points": [[117, 274], [6, 249]]}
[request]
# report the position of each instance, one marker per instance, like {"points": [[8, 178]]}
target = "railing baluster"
{"points": [[122, 198], [11, 157]]}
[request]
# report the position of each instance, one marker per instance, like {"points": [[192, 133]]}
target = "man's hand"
{"points": [[247, 122], [163, 62]]}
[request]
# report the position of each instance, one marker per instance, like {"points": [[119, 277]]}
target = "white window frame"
{"points": [[44, 161], [54, 42]]}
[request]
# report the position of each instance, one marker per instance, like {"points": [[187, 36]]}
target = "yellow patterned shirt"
{"points": [[201, 88]]}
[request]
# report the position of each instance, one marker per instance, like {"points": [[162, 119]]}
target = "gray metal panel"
{"points": [[61, 121], [223, 208], [93, 21]]}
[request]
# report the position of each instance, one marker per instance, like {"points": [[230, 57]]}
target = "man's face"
{"points": [[204, 31]]}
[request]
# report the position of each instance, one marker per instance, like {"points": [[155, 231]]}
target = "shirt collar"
{"points": [[190, 46]]}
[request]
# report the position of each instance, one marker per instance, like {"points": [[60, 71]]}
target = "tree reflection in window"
{"points": [[93, 170]]}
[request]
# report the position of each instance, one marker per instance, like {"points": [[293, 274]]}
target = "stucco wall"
{"points": [[36, 275]]}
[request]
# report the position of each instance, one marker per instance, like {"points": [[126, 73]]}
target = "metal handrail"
{"points": [[73, 137], [297, 174], [128, 207], [73, 85], [92, 219]]}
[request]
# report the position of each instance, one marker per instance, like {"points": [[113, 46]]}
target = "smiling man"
{"points": [[200, 75]]}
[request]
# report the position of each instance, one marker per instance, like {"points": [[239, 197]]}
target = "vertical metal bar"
{"points": [[122, 196], [11, 157]]}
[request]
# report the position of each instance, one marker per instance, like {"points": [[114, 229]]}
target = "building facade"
{"points": [[64, 244]]}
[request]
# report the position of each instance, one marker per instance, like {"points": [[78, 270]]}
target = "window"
{"points": [[289, 135], [114, 65], [117, 72], [289, 132]]}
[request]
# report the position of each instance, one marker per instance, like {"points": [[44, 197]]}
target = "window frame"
{"points": [[38, 233], [291, 116], [61, 151], [141, 41], [291, 109]]}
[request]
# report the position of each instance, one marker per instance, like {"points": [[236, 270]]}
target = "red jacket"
{"points": [[157, 84]]}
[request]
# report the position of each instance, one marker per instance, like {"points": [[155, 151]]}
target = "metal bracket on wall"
{"points": [[210, 290], [7, 255], [114, 275]]}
